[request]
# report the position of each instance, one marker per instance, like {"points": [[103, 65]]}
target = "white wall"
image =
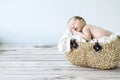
{"points": [[43, 21]]}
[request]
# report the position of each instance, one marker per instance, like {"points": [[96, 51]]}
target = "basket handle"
{"points": [[73, 43], [97, 47]]}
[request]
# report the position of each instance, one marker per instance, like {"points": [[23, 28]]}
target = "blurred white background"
{"points": [[43, 21]]}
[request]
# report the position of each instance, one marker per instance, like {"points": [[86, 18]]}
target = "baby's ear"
{"points": [[83, 21]]}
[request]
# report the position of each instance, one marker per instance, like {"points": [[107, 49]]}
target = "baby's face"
{"points": [[75, 24]]}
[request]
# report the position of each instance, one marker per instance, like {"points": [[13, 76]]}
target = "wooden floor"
{"points": [[31, 62]]}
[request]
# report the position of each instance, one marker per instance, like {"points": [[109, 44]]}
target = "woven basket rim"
{"points": [[117, 37]]}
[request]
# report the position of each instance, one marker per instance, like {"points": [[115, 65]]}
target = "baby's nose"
{"points": [[72, 26]]}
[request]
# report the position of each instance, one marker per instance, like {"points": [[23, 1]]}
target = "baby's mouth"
{"points": [[75, 28]]}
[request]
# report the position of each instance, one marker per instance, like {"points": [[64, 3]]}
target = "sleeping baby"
{"points": [[80, 31], [79, 27]]}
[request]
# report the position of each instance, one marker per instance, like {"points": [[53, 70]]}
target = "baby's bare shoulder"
{"points": [[92, 27], [87, 26]]}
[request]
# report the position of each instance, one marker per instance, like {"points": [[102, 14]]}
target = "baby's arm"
{"points": [[84, 34]]}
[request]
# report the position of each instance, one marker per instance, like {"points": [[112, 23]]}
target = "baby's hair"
{"points": [[76, 18]]}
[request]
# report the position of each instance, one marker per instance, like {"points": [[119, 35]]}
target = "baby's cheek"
{"points": [[70, 28]]}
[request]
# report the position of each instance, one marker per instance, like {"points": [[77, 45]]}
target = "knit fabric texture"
{"points": [[85, 55]]}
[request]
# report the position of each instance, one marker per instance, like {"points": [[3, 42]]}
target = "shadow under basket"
{"points": [[108, 57]]}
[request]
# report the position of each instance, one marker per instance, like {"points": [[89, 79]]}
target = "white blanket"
{"points": [[105, 39], [64, 42]]}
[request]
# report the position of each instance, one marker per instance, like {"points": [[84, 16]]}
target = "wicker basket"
{"points": [[85, 55]]}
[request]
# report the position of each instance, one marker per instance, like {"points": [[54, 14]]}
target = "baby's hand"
{"points": [[75, 32]]}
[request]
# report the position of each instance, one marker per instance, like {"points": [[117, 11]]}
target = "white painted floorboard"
{"points": [[28, 62]]}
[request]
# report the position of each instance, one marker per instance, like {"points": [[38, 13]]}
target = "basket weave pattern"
{"points": [[85, 55]]}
